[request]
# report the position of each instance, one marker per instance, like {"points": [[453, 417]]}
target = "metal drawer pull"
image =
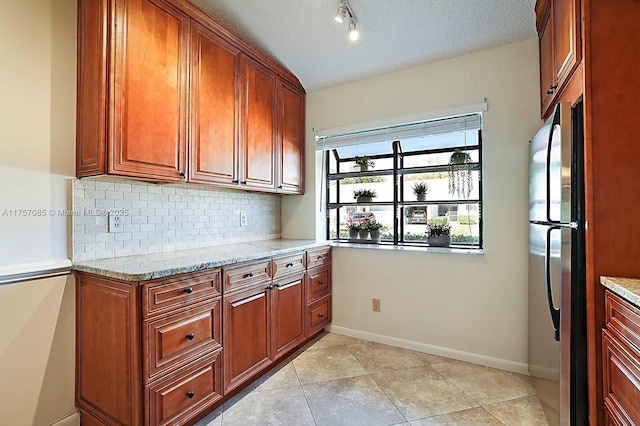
{"points": [[249, 275], [188, 290], [190, 336], [319, 257], [321, 282], [321, 315], [277, 284], [269, 287], [190, 394], [289, 265]]}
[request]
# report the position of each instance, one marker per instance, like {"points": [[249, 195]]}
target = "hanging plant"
{"points": [[460, 177]]}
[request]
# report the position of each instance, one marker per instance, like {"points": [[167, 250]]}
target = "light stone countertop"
{"points": [[159, 265], [627, 288]]}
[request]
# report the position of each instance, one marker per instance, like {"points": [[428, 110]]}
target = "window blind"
{"points": [[399, 131]]}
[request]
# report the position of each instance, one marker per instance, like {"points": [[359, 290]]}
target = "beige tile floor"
{"points": [[339, 380]]}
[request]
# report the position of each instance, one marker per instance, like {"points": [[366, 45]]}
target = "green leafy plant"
{"points": [[420, 188], [457, 238], [438, 227], [364, 193], [355, 226], [373, 226], [460, 176], [364, 161], [467, 219]]}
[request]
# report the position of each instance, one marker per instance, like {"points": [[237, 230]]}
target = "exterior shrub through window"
{"points": [[417, 184]]}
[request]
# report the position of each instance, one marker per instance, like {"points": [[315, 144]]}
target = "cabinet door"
{"points": [[258, 124], [566, 38], [288, 313], [147, 132], [247, 340], [214, 109], [547, 71], [290, 139]]}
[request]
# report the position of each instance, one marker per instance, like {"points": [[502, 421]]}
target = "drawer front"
{"points": [[183, 397], [176, 339], [246, 274], [318, 257], [289, 264], [318, 283], [623, 319], [167, 294], [318, 315], [621, 377]]}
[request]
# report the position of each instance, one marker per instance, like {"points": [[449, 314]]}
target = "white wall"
{"points": [[467, 306], [37, 151]]}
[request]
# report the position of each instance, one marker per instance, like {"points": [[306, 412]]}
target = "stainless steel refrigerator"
{"points": [[557, 300]]}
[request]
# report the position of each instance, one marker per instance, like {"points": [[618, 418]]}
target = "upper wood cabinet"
{"points": [[160, 79], [559, 31], [258, 125], [290, 167], [214, 109]]}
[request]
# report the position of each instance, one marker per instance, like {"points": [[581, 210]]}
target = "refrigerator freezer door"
{"points": [[550, 170], [544, 350]]}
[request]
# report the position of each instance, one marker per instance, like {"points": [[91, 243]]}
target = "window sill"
{"points": [[407, 248]]}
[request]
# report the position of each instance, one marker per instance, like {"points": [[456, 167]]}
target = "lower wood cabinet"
{"points": [[621, 359], [247, 325], [167, 351]]}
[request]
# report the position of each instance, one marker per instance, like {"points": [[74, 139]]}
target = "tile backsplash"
{"points": [[165, 217]]}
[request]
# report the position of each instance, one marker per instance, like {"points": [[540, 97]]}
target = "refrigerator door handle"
{"points": [[555, 312], [548, 169]]}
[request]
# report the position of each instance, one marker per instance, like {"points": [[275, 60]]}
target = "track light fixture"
{"points": [[344, 10]]}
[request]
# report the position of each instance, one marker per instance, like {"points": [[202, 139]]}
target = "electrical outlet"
{"points": [[376, 305], [243, 219], [115, 223]]}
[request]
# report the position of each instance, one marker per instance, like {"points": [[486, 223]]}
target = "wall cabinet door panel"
{"points": [[566, 40], [290, 139], [214, 108], [247, 327], [148, 115], [259, 130]]}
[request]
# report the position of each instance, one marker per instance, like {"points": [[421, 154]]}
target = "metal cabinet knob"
{"points": [[321, 315], [190, 394], [190, 336], [188, 290]]}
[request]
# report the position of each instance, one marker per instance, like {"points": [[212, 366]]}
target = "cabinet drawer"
{"points": [[246, 274], [318, 315], [621, 377], [289, 264], [176, 339], [167, 294], [318, 257], [318, 283], [177, 400], [623, 319]]}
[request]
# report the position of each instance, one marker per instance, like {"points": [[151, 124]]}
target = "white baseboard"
{"points": [[502, 364], [544, 372], [70, 420]]}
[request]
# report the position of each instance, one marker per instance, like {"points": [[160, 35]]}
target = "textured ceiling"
{"points": [[303, 36]]}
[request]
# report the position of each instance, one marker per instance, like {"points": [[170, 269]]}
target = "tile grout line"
{"points": [[304, 393]]}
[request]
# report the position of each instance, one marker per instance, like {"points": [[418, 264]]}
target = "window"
{"points": [[405, 180]]}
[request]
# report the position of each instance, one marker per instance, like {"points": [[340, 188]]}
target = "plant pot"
{"points": [[364, 234], [375, 235], [437, 241], [421, 197], [364, 168], [363, 199], [353, 234]]}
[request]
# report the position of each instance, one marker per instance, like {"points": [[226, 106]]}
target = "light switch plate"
{"points": [[243, 219]]}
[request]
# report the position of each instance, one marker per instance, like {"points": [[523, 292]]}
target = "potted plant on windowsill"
{"points": [[354, 228], [374, 229], [364, 162], [420, 190], [438, 232], [364, 195]]}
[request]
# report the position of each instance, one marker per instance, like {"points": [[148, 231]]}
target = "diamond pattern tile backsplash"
{"points": [[165, 217]]}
